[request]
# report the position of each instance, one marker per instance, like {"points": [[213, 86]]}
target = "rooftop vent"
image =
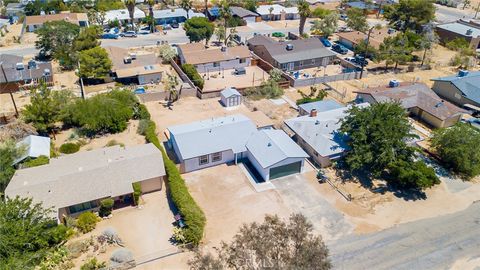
{"points": [[317, 122], [127, 60], [269, 144], [46, 72], [469, 32], [313, 113], [393, 83], [439, 104], [462, 73], [19, 66], [32, 64], [289, 47]]}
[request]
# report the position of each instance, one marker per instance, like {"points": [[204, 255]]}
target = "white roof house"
{"points": [[35, 146], [277, 10], [175, 13], [123, 15], [87, 176]]}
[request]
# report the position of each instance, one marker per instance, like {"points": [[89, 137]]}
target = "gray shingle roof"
{"points": [[87, 176], [321, 106], [9, 63], [242, 13], [460, 28], [469, 85], [270, 146]]}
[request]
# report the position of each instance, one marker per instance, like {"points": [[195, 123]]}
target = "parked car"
{"points": [[326, 42], [128, 34], [175, 24], [143, 32], [350, 59], [278, 34], [340, 49], [361, 60], [109, 36]]}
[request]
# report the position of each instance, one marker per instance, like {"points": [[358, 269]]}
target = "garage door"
{"points": [[285, 170]]}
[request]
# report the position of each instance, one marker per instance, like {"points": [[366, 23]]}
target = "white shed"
{"points": [[230, 97]]}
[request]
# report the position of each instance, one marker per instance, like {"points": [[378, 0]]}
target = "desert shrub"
{"points": [[193, 74], [34, 162], [77, 248], [268, 89], [314, 95], [143, 126], [106, 207], [86, 221], [417, 174], [69, 148], [113, 143], [122, 255], [110, 235], [137, 192], [58, 259], [53, 151], [141, 112], [93, 264]]}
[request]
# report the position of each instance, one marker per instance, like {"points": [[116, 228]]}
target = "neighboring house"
{"points": [[33, 146], [213, 13], [78, 182], [31, 23], [352, 39], [123, 16], [461, 89], [231, 139], [14, 9], [277, 12], [367, 7], [318, 106], [245, 14], [293, 54], [128, 68], [318, 135], [230, 97], [214, 59], [418, 99], [468, 30], [178, 15], [15, 75]]}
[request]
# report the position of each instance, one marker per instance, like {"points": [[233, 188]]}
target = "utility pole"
{"points": [[81, 82], [10, 92]]}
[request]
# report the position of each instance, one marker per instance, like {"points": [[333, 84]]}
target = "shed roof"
{"points": [[469, 85], [35, 146], [270, 146], [461, 27], [321, 106], [228, 92]]}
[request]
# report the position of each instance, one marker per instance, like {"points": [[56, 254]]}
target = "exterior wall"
{"points": [[262, 52], [310, 63], [149, 78], [430, 119], [151, 185], [230, 64], [320, 160], [446, 36], [162, 21], [193, 164], [365, 98], [448, 91], [250, 19]]}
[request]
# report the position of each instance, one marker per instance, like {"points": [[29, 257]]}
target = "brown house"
{"points": [[16, 75], [31, 23], [352, 39]]}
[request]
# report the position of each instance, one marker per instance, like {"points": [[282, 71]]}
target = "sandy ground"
{"points": [[13, 32], [219, 80]]}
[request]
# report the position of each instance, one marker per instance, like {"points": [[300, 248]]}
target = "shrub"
{"points": [[69, 148], [268, 89], [106, 207], [137, 192], [141, 112], [143, 126], [111, 236], [193, 74], [416, 175], [93, 264], [113, 143], [122, 255], [34, 162], [86, 221]]}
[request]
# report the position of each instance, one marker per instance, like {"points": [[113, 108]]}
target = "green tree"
{"points": [[8, 153], [198, 29], [459, 149], [397, 49], [187, 6], [171, 83], [94, 63], [131, 11], [291, 245], [410, 14], [304, 12], [417, 175], [106, 5], [88, 38], [321, 13], [93, 264], [250, 5], [362, 49], [327, 25], [357, 19], [377, 137], [167, 53], [28, 233]]}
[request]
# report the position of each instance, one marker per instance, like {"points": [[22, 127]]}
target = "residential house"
{"points": [[15, 74], [318, 106], [33, 146], [31, 23], [178, 15], [123, 16], [231, 139], [277, 12], [317, 133], [369, 8], [418, 99], [230, 97], [213, 13], [77, 182], [245, 14], [353, 38], [214, 59], [469, 30], [462, 89], [14, 9], [128, 68], [292, 55]]}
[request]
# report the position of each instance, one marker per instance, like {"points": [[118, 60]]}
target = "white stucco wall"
{"points": [[193, 164], [231, 101], [231, 64]]}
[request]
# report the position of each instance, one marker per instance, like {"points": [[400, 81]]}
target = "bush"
{"points": [[141, 112], [193, 74], [143, 125], [192, 214], [93, 264], [122, 255], [106, 207], [416, 175], [34, 162], [113, 143], [69, 148], [86, 221], [137, 192], [268, 89]]}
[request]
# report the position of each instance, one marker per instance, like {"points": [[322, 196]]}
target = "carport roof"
{"points": [[270, 146]]}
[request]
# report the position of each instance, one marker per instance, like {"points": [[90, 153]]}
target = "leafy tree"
{"points": [[250, 5], [93, 264], [321, 12], [398, 49], [187, 6], [457, 44], [55, 40], [459, 148], [225, 14], [27, 233], [171, 83], [167, 53], [362, 49], [94, 63], [88, 38], [416, 175], [304, 12], [283, 245], [150, 4], [97, 17], [198, 29], [106, 5], [37, 6], [220, 34], [327, 25], [410, 14], [466, 3], [357, 20], [8, 153], [428, 39], [377, 137]]}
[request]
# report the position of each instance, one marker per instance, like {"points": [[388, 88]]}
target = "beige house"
{"points": [[31, 23], [78, 182]]}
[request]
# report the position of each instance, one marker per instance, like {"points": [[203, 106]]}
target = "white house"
{"points": [[123, 16], [230, 97], [277, 12]]}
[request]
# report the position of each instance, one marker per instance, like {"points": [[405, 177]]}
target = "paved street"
{"points": [[447, 14], [434, 243]]}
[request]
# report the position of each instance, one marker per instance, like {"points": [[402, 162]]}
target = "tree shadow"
{"points": [[346, 174]]}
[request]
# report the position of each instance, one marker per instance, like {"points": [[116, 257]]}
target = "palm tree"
{"points": [[150, 4], [270, 10], [304, 11], [186, 5], [225, 14], [131, 10]]}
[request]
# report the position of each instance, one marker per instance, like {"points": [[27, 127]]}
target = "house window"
{"points": [[82, 207], [216, 64], [242, 60], [203, 160], [216, 156]]}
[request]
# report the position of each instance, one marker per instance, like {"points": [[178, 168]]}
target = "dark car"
{"points": [[325, 42], [339, 48], [174, 24], [361, 60], [109, 36]]}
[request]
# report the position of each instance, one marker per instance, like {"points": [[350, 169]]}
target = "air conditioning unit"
{"points": [[32, 64], [19, 66], [289, 47], [46, 72], [127, 60]]}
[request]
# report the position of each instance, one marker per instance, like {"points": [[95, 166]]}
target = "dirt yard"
{"points": [[219, 80]]}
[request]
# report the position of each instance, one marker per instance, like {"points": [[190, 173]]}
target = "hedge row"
{"points": [[192, 214], [137, 192], [193, 74]]}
